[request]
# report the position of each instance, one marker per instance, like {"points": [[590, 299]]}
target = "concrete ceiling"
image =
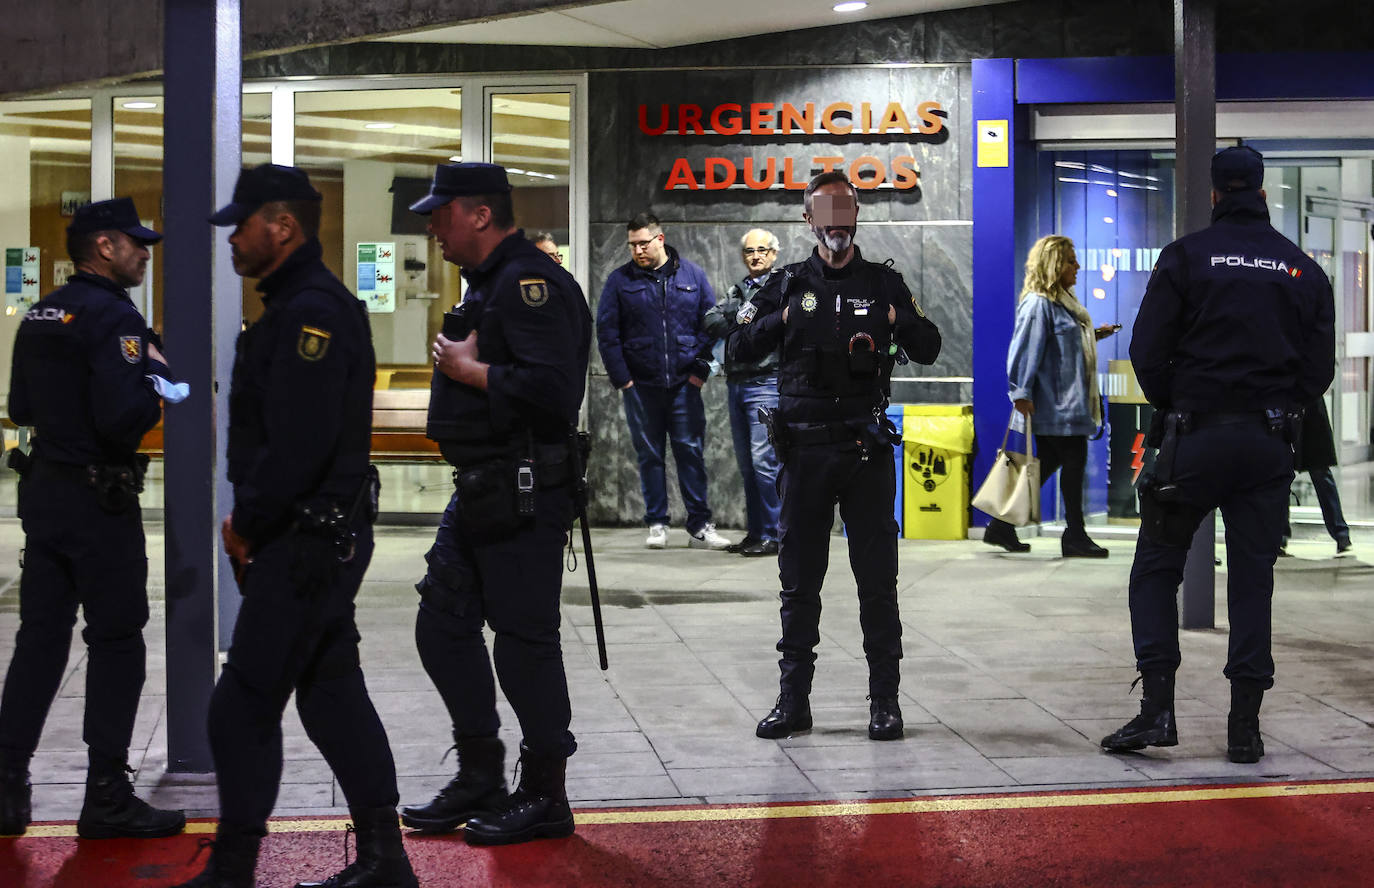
{"points": [[654, 24]]}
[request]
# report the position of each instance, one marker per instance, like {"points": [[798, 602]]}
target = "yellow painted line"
{"points": [[850, 809]]}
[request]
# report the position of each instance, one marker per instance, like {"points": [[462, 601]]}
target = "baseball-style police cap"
{"points": [[461, 179], [112, 215], [261, 185], [1237, 169]]}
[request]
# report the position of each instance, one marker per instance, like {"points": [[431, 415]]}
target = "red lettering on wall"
{"points": [[689, 116], [894, 118], [828, 118], [789, 118], [770, 173], [930, 123], [788, 182], [732, 127], [727, 173], [872, 182], [644, 123], [681, 175], [827, 164], [904, 173], [760, 119]]}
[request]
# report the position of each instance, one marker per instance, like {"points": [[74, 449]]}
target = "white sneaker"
{"points": [[658, 537], [707, 538]]}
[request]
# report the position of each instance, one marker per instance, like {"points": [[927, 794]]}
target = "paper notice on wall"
{"points": [[992, 143], [377, 276], [21, 277]]}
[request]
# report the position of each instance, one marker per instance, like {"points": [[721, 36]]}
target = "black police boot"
{"points": [[479, 787], [791, 715], [233, 858], [1076, 544], [884, 718], [538, 809], [16, 794], [382, 860], [1155, 724], [1000, 533], [1243, 743], [112, 811]]}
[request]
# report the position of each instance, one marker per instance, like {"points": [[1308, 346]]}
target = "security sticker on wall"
{"points": [[992, 143], [21, 277]]}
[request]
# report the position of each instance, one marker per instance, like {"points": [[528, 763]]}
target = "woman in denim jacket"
{"points": [[1052, 374]]}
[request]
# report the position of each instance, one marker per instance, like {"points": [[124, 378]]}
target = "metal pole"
{"points": [[202, 306], [1195, 121]]}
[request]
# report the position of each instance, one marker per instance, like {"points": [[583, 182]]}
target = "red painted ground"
{"points": [[1299, 840]]}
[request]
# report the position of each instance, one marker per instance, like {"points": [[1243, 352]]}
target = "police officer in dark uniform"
{"points": [[510, 372], [300, 536], [1234, 336], [86, 377], [841, 322]]}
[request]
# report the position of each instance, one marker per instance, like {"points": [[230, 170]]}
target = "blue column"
{"points": [[201, 317], [994, 262]]}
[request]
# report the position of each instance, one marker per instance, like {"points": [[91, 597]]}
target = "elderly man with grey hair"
{"points": [[751, 385]]}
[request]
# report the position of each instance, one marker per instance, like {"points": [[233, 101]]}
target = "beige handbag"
{"points": [[1011, 491]]}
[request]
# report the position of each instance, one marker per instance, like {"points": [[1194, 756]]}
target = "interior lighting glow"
{"points": [[1070, 164], [1074, 181], [1108, 272], [457, 158], [139, 106], [378, 125], [1099, 293], [853, 6], [1108, 219], [1111, 192], [10, 311]]}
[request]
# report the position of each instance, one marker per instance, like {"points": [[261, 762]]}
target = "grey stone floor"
{"points": [[1015, 666]]}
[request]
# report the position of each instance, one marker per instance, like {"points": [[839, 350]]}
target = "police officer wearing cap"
{"points": [[300, 537], [510, 370], [1234, 335], [841, 321], [86, 377]]}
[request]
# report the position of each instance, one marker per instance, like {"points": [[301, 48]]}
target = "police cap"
{"points": [[1240, 168], [112, 215], [461, 179], [262, 185]]}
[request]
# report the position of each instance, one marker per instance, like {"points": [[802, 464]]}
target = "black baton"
{"points": [[580, 504]]}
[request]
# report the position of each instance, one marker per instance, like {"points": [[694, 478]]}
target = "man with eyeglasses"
{"points": [[547, 244], [751, 384], [650, 334]]}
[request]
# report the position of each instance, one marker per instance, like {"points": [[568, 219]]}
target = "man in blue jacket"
{"points": [[649, 331]]}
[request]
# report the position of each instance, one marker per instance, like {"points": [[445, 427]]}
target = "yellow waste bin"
{"points": [[936, 442]]}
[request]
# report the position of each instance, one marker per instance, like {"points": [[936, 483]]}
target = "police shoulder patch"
{"points": [[534, 291], [131, 347], [313, 343]]}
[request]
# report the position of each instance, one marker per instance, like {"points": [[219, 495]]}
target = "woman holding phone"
{"points": [[1052, 375]]}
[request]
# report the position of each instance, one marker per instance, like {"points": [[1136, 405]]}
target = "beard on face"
{"points": [[837, 240]]}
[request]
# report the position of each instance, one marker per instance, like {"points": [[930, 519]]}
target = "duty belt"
{"points": [[1249, 417], [804, 433]]}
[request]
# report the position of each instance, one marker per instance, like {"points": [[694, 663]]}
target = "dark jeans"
{"points": [[813, 479], [76, 556], [296, 632], [758, 463], [1244, 471], [1329, 498], [1067, 454], [655, 413], [512, 584]]}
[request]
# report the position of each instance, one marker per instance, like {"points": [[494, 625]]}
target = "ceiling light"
{"points": [[854, 6], [1107, 219], [1111, 192], [378, 125], [139, 106], [1099, 293], [457, 158]]}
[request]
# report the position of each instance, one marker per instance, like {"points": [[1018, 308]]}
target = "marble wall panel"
{"points": [[960, 34]]}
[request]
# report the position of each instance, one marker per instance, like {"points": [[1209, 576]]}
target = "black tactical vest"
{"points": [[837, 337]]}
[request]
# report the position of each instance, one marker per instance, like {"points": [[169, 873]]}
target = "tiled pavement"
{"points": [[1015, 666]]}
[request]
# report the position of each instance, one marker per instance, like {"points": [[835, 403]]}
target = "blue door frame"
{"points": [[1007, 214]]}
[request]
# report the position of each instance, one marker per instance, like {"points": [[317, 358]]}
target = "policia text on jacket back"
{"points": [[841, 322], [1233, 337], [510, 372], [85, 376]]}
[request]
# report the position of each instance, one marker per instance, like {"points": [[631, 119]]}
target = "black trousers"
{"points": [[76, 555], [512, 583], [296, 632], [1245, 471], [812, 480]]}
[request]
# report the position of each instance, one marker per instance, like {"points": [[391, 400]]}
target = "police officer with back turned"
{"points": [[510, 369], [300, 536], [841, 322], [1234, 335], [88, 376]]}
